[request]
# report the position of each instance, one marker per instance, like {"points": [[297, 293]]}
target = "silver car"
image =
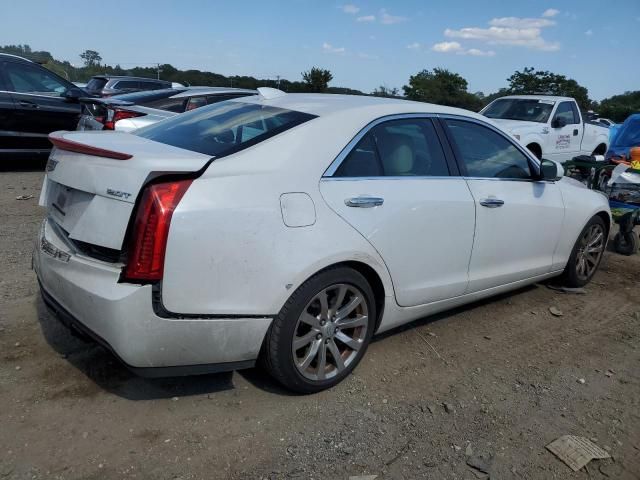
{"points": [[136, 110]]}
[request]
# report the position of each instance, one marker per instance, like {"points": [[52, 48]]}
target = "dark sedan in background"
{"points": [[33, 103]]}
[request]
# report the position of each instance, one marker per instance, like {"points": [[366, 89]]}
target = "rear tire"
{"points": [[626, 243], [586, 254], [322, 332]]}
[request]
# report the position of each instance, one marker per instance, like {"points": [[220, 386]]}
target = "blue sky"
{"points": [[364, 44]]}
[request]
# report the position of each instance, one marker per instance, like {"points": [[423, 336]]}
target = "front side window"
{"points": [[397, 148], [33, 80], [566, 112], [224, 128], [487, 154]]}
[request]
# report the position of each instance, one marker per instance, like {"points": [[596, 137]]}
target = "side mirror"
{"points": [[73, 94], [550, 170], [558, 122]]}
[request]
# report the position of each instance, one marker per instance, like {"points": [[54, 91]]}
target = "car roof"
{"points": [[127, 77], [8, 56], [190, 91], [323, 104], [551, 98]]}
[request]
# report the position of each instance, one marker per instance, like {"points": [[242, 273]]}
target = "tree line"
{"points": [[439, 85]]}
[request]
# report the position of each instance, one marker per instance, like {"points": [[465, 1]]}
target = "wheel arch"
{"points": [[372, 276], [601, 149]]}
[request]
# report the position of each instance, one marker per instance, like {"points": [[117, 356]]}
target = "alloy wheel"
{"points": [[330, 332], [590, 251]]}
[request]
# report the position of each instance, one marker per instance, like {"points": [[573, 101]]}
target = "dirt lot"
{"points": [[513, 376]]}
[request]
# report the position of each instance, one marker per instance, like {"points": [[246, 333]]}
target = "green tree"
{"points": [[91, 58], [530, 81], [442, 87], [317, 79], [384, 91], [619, 107]]}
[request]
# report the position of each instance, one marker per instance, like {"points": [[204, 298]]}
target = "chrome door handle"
{"points": [[364, 202], [492, 202]]}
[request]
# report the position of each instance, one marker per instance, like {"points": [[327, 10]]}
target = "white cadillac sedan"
{"points": [[292, 227]]}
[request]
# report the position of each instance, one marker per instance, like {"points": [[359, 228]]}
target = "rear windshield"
{"points": [[96, 83], [528, 110], [223, 128]]}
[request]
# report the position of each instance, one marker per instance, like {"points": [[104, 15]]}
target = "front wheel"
{"points": [[586, 254], [322, 332]]}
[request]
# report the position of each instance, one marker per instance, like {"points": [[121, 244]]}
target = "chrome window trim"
{"points": [[528, 154], [403, 177], [30, 94], [329, 172]]}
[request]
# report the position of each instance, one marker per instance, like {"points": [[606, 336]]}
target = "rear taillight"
{"points": [[115, 114], [151, 230]]}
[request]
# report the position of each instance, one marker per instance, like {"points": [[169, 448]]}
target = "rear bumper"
{"points": [[85, 294]]}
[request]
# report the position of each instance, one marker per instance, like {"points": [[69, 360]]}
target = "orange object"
{"points": [[634, 155]]}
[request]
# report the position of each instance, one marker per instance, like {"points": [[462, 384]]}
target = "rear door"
{"points": [[518, 219], [40, 107], [397, 184]]}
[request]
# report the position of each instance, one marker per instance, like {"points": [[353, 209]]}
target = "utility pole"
{"points": [[278, 81], [158, 70]]}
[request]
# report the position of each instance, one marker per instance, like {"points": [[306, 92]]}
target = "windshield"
{"points": [[223, 128], [528, 110]]}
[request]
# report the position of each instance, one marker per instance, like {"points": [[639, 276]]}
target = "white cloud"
{"points": [[414, 46], [516, 22], [455, 47], [523, 37], [588, 32], [388, 19], [550, 12], [327, 47], [366, 18], [350, 8], [446, 47], [480, 53]]}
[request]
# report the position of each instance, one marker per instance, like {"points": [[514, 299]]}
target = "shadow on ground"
{"points": [[104, 369]]}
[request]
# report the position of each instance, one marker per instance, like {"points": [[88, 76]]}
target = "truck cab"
{"points": [[551, 127]]}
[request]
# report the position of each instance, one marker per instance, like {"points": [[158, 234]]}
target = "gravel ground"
{"points": [[499, 379]]}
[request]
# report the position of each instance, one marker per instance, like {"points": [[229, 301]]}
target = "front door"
{"points": [[39, 105], [518, 219], [566, 139], [8, 131], [396, 188]]}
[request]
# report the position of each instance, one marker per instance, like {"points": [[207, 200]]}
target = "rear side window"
{"points": [[487, 154], [224, 128], [151, 85], [125, 84], [397, 148], [170, 104]]}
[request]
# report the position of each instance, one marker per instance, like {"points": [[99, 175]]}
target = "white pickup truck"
{"points": [[551, 127]]}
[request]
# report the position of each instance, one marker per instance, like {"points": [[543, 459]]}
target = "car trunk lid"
{"points": [[93, 180]]}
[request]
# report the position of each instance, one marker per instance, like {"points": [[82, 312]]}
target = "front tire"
{"points": [[586, 254], [322, 332]]}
